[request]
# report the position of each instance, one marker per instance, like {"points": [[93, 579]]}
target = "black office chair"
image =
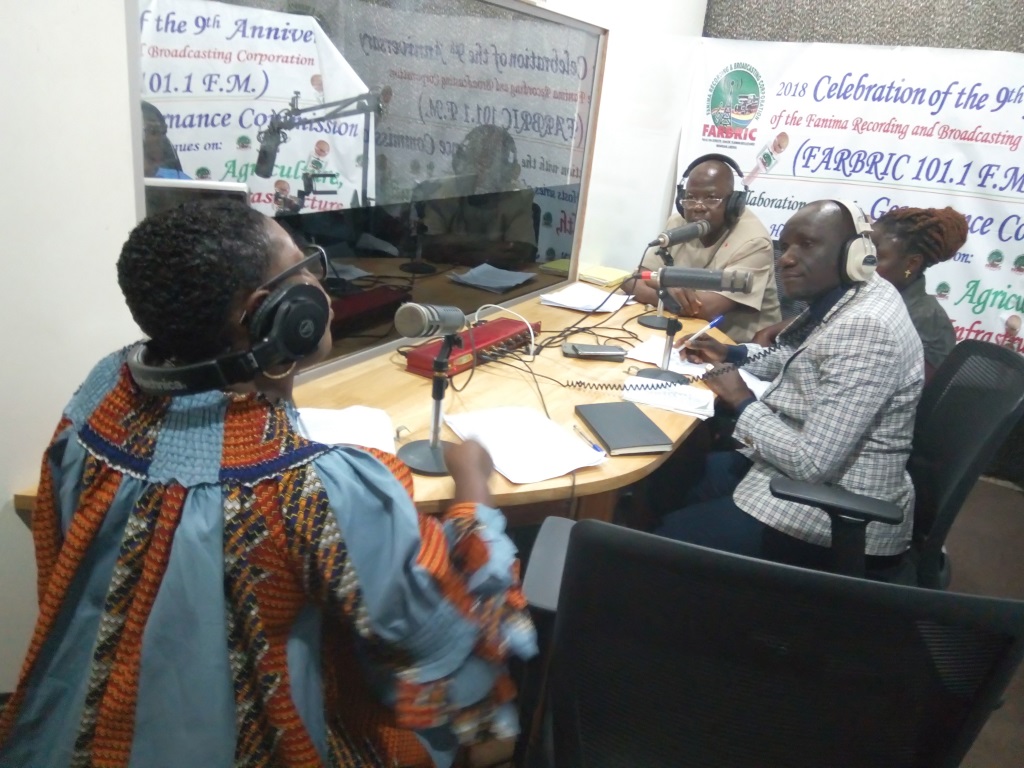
{"points": [[790, 308], [966, 411], [669, 654]]}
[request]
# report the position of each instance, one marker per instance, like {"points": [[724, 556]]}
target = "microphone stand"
{"points": [[659, 322], [426, 457], [417, 266], [364, 104], [672, 327]]}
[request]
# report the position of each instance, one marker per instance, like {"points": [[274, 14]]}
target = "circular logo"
{"points": [[550, 254], [995, 260], [1018, 263], [942, 290], [546, 219], [306, 328], [202, 173], [736, 96], [243, 142]]}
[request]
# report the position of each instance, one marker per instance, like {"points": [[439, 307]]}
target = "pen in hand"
{"points": [[703, 330], [586, 439]]}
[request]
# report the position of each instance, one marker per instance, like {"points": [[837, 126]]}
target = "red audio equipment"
{"points": [[361, 309], [501, 335]]}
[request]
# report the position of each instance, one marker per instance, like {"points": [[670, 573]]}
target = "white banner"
{"points": [[887, 127], [218, 72], [448, 74]]}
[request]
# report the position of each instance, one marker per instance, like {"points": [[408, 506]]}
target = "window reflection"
{"points": [[470, 154]]}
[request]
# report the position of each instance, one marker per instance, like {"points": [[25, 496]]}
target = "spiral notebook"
{"points": [[623, 429]]}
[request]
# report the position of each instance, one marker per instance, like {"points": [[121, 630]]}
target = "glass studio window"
{"points": [[423, 144]]}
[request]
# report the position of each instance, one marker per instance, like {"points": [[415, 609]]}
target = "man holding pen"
{"points": [[845, 377]]}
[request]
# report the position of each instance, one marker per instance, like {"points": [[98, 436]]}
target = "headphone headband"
{"points": [[285, 328], [735, 204], [717, 157]]}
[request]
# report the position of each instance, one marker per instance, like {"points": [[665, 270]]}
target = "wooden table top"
{"points": [[382, 382]]}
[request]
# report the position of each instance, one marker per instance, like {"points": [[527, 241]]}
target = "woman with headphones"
{"points": [[737, 240], [217, 589]]}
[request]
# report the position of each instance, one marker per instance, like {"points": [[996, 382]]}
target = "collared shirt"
{"points": [[840, 410], [746, 245]]}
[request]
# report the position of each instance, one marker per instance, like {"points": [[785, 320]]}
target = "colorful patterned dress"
{"points": [[217, 590]]}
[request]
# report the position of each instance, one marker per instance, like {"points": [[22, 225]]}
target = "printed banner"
{"points": [[886, 127], [449, 74], [218, 72]]}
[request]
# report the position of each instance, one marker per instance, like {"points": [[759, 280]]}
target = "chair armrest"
{"points": [[543, 580], [837, 501]]}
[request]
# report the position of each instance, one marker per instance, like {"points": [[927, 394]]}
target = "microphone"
{"points": [[418, 320], [269, 140], [736, 280], [680, 234]]}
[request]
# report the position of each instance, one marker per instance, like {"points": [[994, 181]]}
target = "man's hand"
{"points": [[728, 385], [766, 336], [703, 350], [470, 466], [689, 303]]}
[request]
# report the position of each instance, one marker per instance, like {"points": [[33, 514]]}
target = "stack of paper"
{"points": [[526, 445], [652, 351], [491, 278], [586, 299], [597, 274], [610, 277], [556, 267], [680, 398]]}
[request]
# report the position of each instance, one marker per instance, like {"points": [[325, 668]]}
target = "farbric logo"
{"points": [[735, 100]]}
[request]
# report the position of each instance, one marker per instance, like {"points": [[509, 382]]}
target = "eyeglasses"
{"points": [[314, 261], [705, 202]]}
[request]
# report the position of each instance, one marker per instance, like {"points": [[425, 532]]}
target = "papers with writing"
{"points": [[586, 298], [526, 446], [652, 350], [679, 398], [491, 278], [355, 425]]}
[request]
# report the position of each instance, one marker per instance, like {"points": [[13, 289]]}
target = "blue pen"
{"points": [[587, 440], [703, 330]]}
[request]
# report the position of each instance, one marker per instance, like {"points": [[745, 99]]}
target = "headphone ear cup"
{"points": [[735, 206], [858, 260], [293, 320], [680, 194]]}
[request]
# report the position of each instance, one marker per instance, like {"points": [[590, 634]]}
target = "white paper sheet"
{"points": [[586, 298], [526, 445], [679, 398], [356, 425], [652, 351]]}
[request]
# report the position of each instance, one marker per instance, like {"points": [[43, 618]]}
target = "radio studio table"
{"points": [[382, 382]]}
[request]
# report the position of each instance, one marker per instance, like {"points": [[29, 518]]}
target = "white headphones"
{"points": [[858, 257]]}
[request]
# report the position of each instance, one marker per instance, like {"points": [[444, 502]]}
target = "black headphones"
{"points": [[736, 202], [466, 153], [285, 328], [858, 256]]}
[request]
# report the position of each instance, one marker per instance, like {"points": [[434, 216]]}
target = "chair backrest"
{"points": [[971, 404], [789, 307], [668, 654]]}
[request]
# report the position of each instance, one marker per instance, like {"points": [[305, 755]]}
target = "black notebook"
{"points": [[623, 428]]}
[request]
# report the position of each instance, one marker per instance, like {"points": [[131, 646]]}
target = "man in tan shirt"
{"points": [[737, 240]]}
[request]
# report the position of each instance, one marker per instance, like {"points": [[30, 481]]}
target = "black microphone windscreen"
{"points": [[267, 155]]}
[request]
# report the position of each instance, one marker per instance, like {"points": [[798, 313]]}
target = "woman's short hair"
{"points": [[184, 272]]}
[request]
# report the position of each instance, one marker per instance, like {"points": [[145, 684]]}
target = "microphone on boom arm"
{"points": [[734, 280]]}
